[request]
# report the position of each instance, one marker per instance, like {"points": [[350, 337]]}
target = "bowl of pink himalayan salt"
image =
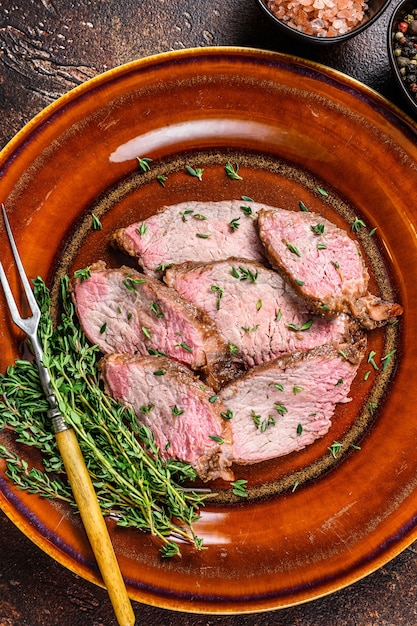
{"points": [[323, 21]]}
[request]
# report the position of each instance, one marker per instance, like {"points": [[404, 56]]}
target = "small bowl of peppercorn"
{"points": [[322, 21], [402, 49]]}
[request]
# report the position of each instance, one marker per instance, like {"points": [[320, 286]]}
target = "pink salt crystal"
{"points": [[319, 17]]}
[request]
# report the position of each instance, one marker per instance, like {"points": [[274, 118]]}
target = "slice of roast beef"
{"points": [[193, 231], [254, 309], [286, 404], [121, 310], [184, 416], [324, 265]]}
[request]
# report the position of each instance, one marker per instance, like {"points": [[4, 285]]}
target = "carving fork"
{"points": [[69, 448]]}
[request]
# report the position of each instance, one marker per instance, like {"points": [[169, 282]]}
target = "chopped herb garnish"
{"points": [[244, 274], [147, 409], [321, 246], [219, 291], [214, 398], [227, 415], [256, 418], [232, 348], [185, 214], [371, 359], [269, 421], [103, 328], [130, 282], [239, 488], [199, 216], [337, 267], [146, 332], [202, 235], [160, 373], [144, 163], [162, 267], [335, 448], [292, 248], [372, 407], [197, 172], [278, 315], [279, 386], [372, 232], [247, 210], [176, 411], [322, 192], [156, 309], [386, 359], [260, 423], [232, 172], [339, 382], [296, 484], [280, 408], [357, 224], [296, 389], [318, 229], [302, 206], [154, 352], [83, 274], [299, 282], [248, 329], [259, 305], [247, 199], [303, 327], [299, 429], [142, 230], [95, 222], [217, 439], [162, 179], [366, 375], [234, 224], [184, 346]]}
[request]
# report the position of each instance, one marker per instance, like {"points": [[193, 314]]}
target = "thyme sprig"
{"points": [[133, 484]]}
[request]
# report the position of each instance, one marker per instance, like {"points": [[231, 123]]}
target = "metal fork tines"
{"points": [[29, 325]]}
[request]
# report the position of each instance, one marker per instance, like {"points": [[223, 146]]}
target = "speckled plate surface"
{"points": [[312, 523]]}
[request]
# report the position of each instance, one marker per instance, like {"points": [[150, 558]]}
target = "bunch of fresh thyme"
{"points": [[133, 484]]}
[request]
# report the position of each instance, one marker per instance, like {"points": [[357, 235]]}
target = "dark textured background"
{"points": [[46, 48]]}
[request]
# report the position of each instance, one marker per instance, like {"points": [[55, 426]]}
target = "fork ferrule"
{"points": [[58, 422]]}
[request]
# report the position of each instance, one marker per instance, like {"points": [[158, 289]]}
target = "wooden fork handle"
{"points": [[95, 525]]}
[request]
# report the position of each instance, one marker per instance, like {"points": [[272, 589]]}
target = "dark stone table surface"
{"points": [[46, 48]]}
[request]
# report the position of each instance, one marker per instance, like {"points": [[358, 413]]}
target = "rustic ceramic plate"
{"points": [[314, 521]]}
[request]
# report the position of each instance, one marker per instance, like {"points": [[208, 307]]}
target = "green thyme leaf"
{"points": [[197, 172], [95, 222], [232, 172], [144, 163]]}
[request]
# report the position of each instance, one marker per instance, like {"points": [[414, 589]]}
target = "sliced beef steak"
{"points": [[121, 310], [176, 407], [254, 309], [323, 263], [193, 231], [284, 405]]}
